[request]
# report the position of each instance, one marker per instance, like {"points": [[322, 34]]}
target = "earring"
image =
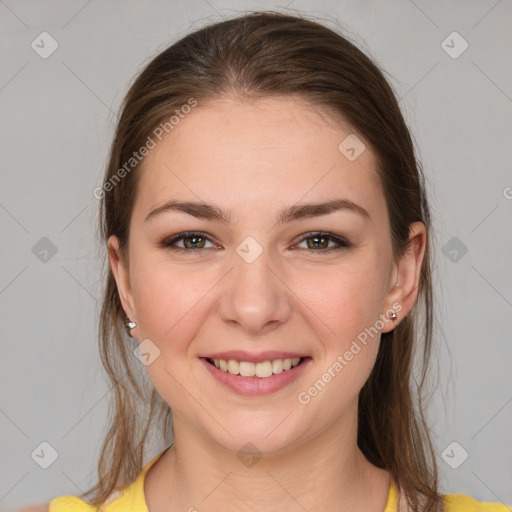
{"points": [[393, 316], [129, 326]]}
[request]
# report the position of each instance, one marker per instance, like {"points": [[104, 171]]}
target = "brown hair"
{"points": [[263, 54]]}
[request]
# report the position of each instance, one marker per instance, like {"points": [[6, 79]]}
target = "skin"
{"points": [[256, 158]]}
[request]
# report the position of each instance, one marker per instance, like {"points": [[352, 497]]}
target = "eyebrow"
{"points": [[296, 212]]}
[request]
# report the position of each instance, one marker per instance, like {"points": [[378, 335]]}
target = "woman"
{"points": [[268, 239]]}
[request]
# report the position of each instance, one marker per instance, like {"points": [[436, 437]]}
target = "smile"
{"points": [[233, 378], [262, 369]]}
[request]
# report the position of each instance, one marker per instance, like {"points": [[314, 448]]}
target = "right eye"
{"points": [[192, 241]]}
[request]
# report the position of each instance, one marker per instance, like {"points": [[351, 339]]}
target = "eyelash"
{"points": [[167, 243]]}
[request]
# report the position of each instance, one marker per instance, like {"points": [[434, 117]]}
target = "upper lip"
{"points": [[241, 355]]}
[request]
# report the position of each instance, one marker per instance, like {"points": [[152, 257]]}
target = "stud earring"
{"points": [[393, 316], [129, 326]]}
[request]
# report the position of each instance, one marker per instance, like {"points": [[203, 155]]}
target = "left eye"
{"points": [[196, 241], [321, 240]]}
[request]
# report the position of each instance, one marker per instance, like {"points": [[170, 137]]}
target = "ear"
{"points": [[122, 276], [405, 277]]}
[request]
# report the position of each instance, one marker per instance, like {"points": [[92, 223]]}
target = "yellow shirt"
{"points": [[131, 499]]}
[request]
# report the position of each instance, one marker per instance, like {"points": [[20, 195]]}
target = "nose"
{"points": [[255, 296]]}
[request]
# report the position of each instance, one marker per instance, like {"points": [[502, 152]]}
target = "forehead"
{"points": [[241, 151]]}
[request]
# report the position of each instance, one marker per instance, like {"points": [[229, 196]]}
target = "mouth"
{"points": [[261, 370], [256, 379]]}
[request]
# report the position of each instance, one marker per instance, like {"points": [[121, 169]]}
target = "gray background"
{"points": [[56, 126]]}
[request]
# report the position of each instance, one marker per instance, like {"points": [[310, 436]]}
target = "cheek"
{"points": [[346, 307], [172, 304], [345, 300], [168, 300]]}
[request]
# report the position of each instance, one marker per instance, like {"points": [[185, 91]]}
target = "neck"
{"points": [[326, 472]]}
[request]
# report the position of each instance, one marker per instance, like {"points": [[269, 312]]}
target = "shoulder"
{"points": [[68, 504], [128, 498], [463, 503]]}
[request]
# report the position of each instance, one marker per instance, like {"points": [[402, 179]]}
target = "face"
{"points": [[258, 280]]}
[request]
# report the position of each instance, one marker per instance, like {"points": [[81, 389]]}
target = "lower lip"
{"points": [[255, 386]]}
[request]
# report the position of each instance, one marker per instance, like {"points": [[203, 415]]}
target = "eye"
{"points": [[192, 241], [195, 241], [320, 242]]}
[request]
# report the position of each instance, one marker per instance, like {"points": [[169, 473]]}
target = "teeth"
{"points": [[262, 370]]}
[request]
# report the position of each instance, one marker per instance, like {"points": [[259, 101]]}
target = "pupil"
{"points": [[316, 238], [192, 240]]}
